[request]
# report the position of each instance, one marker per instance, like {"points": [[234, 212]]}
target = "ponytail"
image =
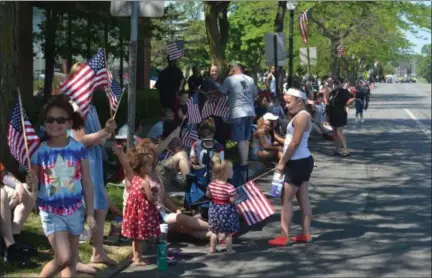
{"points": [[220, 167]]}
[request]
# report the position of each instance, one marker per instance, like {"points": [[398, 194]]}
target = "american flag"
{"points": [[175, 50], [221, 109], [303, 25], [341, 50], [165, 155], [80, 86], [15, 137], [189, 137], [208, 108], [194, 116], [114, 93], [251, 203]]}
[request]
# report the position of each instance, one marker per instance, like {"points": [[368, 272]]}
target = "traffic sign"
{"points": [[147, 8]]}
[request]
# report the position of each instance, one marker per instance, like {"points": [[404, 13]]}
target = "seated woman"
{"points": [[265, 146], [16, 203], [261, 104], [198, 154]]}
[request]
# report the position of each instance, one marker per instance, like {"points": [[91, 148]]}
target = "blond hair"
{"points": [[74, 68], [220, 167]]}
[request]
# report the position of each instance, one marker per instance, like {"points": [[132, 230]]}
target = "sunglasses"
{"points": [[59, 120]]}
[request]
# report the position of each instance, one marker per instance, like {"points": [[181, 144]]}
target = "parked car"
{"points": [[408, 80]]}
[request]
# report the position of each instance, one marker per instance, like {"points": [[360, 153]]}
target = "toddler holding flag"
{"points": [[223, 217]]}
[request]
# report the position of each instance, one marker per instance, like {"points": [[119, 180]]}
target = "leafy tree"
{"points": [[424, 65]]}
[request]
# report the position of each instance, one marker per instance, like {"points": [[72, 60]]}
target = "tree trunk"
{"points": [[280, 16], [9, 74], [52, 20], [26, 51], [217, 29], [334, 59]]}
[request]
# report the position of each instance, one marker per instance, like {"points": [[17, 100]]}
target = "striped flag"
{"points": [[189, 137], [80, 86], [175, 50], [221, 109], [114, 93], [165, 155], [251, 204], [341, 50], [303, 25], [15, 136], [209, 107], [194, 116]]}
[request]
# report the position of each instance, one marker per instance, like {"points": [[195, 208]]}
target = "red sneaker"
{"points": [[302, 238], [279, 241]]}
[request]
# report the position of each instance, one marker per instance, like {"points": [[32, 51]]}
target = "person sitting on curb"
{"points": [[265, 146], [17, 202]]}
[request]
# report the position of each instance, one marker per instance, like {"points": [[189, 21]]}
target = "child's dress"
{"points": [[141, 218], [223, 216]]}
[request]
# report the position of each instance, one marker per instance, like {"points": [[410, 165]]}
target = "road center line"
{"points": [[420, 125]]}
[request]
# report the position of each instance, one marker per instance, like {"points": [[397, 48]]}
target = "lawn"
{"points": [[32, 234]]}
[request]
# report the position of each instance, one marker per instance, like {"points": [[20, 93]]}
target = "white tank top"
{"points": [[302, 150]]}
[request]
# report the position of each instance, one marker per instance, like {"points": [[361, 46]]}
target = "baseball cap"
{"points": [[270, 117], [122, 133]]}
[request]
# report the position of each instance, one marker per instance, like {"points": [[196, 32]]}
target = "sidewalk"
{"points": [[337, 193]]}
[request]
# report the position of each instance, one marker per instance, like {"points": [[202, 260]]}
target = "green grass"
{"points": [[32, 234]]}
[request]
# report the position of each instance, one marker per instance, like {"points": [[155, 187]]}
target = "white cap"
{"points": [[270, 117], [296, 93], [122, 133]]}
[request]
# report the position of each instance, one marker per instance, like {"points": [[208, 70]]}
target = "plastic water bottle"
{"points": [[162, 256], [163, 237]]}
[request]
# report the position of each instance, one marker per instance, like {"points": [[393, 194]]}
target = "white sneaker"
{"points": [[362, 120]]}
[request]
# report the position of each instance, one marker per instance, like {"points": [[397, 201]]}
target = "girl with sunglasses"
{"points": [[61, 168]]}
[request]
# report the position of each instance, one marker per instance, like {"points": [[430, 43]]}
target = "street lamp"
{"points": [[354, 75], [291, 7]]}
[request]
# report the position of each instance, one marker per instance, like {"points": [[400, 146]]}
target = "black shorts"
{"points": [[299, 171]]}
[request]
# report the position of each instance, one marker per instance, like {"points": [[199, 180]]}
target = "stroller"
{"points": [[197, 183]]}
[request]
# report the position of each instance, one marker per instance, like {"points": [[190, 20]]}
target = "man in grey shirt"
{"points": [[241, 91]]}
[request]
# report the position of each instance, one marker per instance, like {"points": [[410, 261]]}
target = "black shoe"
{"points": [[16, 256]]}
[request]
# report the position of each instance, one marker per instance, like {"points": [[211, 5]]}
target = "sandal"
{"points": [[302, 239], [280, 241]]}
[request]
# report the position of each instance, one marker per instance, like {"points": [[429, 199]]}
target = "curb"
{"points": [[111, 271]]}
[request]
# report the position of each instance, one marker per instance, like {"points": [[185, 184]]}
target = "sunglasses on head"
{"points": [[59, 120]]}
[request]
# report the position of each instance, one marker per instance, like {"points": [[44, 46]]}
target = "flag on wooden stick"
{"points": [[22, 138], [175, 50], [251, 204], [80, 86]]}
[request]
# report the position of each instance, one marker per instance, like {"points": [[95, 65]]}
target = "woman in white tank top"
{"points": [[296, 164]]}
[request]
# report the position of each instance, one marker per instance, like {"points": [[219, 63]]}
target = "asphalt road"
{"points": [[372, 211]]}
